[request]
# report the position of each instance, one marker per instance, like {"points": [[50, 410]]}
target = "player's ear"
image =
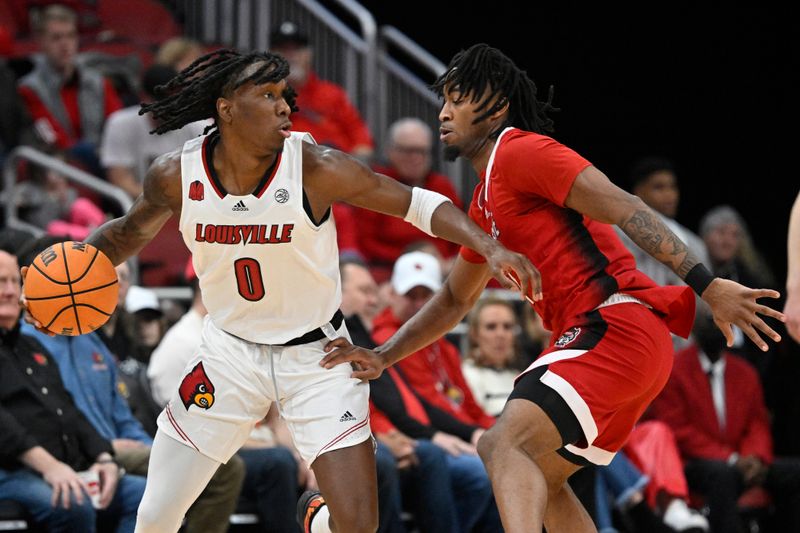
{"points": [[224, 109], [503, 108]]}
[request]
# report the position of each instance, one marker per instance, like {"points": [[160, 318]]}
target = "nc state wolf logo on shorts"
{"points": [[567, 337], [196, 191], [197, 389]]}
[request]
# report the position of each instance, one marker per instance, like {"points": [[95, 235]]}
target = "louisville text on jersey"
{"points": [[244, 233]]}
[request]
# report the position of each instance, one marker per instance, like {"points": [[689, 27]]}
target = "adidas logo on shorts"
{"points": [[240, 206], [347, 417]]}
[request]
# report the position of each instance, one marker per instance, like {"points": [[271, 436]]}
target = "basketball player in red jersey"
{"points": [[253, 199], [611, 351]]}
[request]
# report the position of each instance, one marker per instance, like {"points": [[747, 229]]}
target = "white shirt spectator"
{"points": [[127, 141]]}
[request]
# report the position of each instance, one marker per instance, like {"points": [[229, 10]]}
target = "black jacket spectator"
{"points": [[36, 409]]}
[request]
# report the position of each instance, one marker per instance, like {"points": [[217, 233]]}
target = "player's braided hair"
{"points": [[482, 67], [192, 94]]}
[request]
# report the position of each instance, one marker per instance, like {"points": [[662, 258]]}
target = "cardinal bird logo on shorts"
{"points": [[197, 389]]}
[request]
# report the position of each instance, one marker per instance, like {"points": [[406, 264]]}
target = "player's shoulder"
{"points": [[166, 165], [323, 159], [517, 139]]}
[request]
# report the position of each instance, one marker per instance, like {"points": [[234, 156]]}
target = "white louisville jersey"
{"points": [[267, 272]]}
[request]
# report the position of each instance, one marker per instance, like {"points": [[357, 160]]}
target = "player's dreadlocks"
{"points": [[482, 67], [192, 94]]}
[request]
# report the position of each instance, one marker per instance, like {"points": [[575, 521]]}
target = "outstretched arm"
{"points": [[446, 308], [127, 235], [792, 309], [331, 176], [596, 197]]}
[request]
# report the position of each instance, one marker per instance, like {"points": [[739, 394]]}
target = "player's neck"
{"points": [[479, 155], [238, 168]]}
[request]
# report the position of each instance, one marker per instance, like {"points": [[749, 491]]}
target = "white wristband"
{"points": [[423, 204]]}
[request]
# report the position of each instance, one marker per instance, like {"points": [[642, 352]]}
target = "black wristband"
{"points": [[699, 278]]}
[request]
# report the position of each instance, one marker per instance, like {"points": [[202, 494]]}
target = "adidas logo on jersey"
{"points": [[240, 206], [347, 417]]}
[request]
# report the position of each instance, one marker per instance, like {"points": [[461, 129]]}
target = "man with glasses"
{"points": [[381, 239]]}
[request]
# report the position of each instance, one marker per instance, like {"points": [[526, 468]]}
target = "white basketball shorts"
{"points": [[230, 384]]}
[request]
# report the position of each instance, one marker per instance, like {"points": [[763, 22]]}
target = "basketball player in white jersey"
{"points": [[254, 201]]}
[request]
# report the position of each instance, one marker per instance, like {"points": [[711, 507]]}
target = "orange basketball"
{"points": [[71, 288]]}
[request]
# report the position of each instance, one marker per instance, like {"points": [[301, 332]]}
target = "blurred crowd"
{"points": [[717, 451]]}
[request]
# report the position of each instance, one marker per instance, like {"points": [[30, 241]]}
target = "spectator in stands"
{"points": [[15, 121], [733, 256], [148, 318], [48, 201], [325, 109], [128, 148], [396, 409], [69, 103], [274, 470], [434, 372], [119, 332], [418, 466], [621, 484], [46, 440], [714, 403], [178, 53], [360, 302], [381, 238], [493, 362], [731, 249], [655, 181]]}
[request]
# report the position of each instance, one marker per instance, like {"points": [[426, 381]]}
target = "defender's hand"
{"points": [[735, 304], [367, 364], [515, 272]]}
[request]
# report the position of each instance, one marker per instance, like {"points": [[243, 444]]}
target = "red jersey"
{"points": [[520, 202]]}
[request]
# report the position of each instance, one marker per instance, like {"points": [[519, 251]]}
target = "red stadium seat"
{"points": [[153, 25]]}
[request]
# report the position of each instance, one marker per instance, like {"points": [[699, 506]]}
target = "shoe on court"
{"points": [[308, 506], [681, 517]]}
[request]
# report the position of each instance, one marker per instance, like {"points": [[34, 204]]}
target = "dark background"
{"points": [[713, 89]]}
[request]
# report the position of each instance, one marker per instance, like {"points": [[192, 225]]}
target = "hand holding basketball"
{"points": [[71, 288]]}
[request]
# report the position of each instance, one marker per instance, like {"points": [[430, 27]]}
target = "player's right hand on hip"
{"points": [[366, 363], [23, 303]]}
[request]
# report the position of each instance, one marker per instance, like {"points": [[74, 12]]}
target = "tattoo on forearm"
{"points": [[654, 237]]}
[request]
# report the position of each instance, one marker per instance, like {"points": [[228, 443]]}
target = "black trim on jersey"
{"points": [[588, 247], [310, 213], [212, 172]]}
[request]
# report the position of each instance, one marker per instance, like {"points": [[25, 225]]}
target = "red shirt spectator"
{"points": [[435, 371], [325, 109], [61, 96], [687, 405]]}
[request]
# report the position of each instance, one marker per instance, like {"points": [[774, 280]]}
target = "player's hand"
{"points": [[735, 304], [515, 272], [792, 312], [366, 363], [24, 304], [65, 481]]}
